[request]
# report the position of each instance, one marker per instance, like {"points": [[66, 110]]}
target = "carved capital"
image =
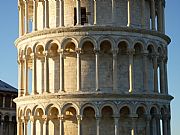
{"points": [[78, 50], [131, 52], [79, 117]]}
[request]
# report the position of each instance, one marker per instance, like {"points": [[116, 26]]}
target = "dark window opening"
{"points": [[83, 16]]}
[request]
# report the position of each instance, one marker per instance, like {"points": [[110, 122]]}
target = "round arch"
{"points": [[50, 43], [126, 40], [87, 39], [106, 38], [49, 107], [67, 40], [111, 105], [68, 105], [89, 105]]}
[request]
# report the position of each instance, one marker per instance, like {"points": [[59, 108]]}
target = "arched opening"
{"points": [[70, 68], [70, 122], [122, 70], [160, 71], [28, 114], [125, 127], [88, 67], [141, 121], [150, 67], [40, 69], [89, 121], [39, 121], [53, 64], [105, 66], [28, 71], [138, 67], [54, 122], [107, 121]]}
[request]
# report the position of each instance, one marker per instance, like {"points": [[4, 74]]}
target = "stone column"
{"points": [[165, 74], [159, 16], [95, 12], [25, 126], [148, 119], [145, 72], [155, 66], [43, 75], [153, 15], [78, 51], [79, 118], [131, 76], [169, 125], [21, 124], [33, 125], [78, 11], [61, 13], [35, 15], [157, 117], [98, 125], [61, 69], [18, 127], [45, 125], [61, 125], [116, 125], [113, 11], [44, 13], [26, 76], [11, 104], [164, 125], [4, 101], [163, 17], [133, 123], [143, 18], [115, 70], [46, 4], [162, 76], [129, 13], [20, 77], [97, 69], [21, 20], [46, 74], [26, 16], [34, 74]]}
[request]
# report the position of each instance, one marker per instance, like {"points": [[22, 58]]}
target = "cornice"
{"points": [[92, 96], [90, 29]]}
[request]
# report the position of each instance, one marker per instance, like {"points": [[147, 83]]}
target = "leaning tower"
{"points": [[92, 67]]}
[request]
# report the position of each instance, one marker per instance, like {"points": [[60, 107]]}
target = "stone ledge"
{"points": [[89, 96], [92, 28]]}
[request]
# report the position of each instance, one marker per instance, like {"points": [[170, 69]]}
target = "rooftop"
{"points": [[6, 87]]}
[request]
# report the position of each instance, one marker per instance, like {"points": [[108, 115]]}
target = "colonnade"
{"points": [[151, 126], [24, 15], [157, 62]]}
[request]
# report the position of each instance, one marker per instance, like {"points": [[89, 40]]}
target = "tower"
{"points": [[92, 67]]}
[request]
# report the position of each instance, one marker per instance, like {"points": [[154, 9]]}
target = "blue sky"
{"points": [[8, 53]]}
